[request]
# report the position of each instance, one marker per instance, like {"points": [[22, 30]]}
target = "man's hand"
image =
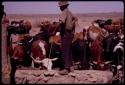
{"points": [[75, 19], [58, 33]]}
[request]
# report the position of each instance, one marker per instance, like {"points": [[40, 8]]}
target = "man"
{"points": [[67, 21]]}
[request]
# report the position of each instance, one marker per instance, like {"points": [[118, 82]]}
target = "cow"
{"points": [[101, 23], [113, 38], [18, 27], [80, 50], [96, 36], [112, 47], [38, 46], [17, 55], [54, 42], [55, 51], [14, 49], [38, 50]]}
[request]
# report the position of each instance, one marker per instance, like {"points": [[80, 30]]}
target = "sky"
{"points": [[51, 7]]}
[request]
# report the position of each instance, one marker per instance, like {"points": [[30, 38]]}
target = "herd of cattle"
{"points": [[99, 43]]}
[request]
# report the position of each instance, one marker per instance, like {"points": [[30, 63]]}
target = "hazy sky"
{"points": [[51, 7]]}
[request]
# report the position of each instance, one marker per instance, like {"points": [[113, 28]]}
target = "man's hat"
{"points": [[62, 3]]}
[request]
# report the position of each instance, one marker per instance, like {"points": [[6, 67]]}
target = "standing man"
{"points": [[67, 21]]}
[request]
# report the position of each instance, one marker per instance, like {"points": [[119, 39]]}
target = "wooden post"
{"points": [[4, 58]]}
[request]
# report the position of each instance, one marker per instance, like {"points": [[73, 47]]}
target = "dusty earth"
{"points": [[52, 77]]}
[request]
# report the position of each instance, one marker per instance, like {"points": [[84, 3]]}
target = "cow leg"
{"points": [[14, 64], [83, 56], [32, 64]]}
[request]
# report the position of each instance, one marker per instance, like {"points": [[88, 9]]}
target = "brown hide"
{"points": [[36, 50], [97, 52], [19, 52], [55, 39], [94, 29], [28, 25]]}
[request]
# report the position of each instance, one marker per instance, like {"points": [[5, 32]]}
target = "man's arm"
{"points": [[75, 19], [59, 27]]}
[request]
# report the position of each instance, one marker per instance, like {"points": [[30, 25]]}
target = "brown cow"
{"points": [[95, 32], [81, 50], [51, 27], [115, 27], [55, 39], [27, 25], [16, 60], [18, 53], [39, 49], [97, 53], [17, 50], [96, 35]]}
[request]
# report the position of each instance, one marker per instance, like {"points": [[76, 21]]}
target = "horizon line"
{"points": [[59, 13]]}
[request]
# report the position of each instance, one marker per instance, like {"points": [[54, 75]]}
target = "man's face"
{"points": [[61, 8]]}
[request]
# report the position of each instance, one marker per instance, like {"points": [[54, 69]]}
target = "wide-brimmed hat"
{"points": [[62, 3]]}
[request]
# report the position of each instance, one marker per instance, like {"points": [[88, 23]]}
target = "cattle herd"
{"points": [[98, 47]]}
